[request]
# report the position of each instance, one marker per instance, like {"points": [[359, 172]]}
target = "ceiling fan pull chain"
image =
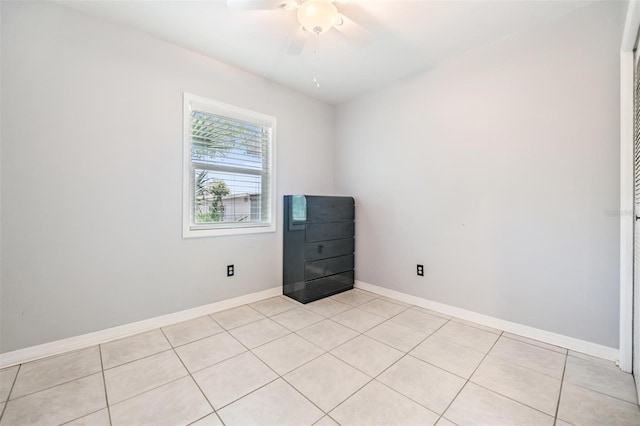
{"points": [[316, 61]]}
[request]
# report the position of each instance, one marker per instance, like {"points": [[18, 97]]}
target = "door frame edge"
{"points": [[626, 210], [628, 44]]}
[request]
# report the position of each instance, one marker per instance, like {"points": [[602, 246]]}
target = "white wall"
{"points": [[497, 170], [92, 176]]}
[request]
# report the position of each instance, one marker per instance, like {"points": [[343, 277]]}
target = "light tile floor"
{"points": [[352, 359]]}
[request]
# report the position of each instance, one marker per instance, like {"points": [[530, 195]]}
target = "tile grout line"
{"points": [[329, 350], [370, 313], [351, 304], [327, 316], [375, 377], [409, 398], [402, 326], [147, 356], [408, 354], [515, 364], [238, 341], [148, 390], [351, 394], [104, 383], [249, 393], [603, 394], [302, 328], [139, 359], [306, 397], [56, 385], [265, 343], [564, 370], [294, 306], [84, 415], [538, 346], [508, 397], [13, 384], [202, 418], [362, 333], [233, 328], [404, 308], [469, 378], [260, 359], [372, 378], [452, 342], [279, 376], [355, 368], [197, 340], [53, 386], [525, 367], [351, 328], [191, 376], [514, 400]]}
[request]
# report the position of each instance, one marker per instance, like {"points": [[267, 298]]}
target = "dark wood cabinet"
{"points": [[318, 246]]}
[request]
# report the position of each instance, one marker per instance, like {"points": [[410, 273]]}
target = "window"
{"points": [[228, 169]]}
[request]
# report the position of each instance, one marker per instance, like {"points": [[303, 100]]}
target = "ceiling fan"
{"points": [[314, 16]]}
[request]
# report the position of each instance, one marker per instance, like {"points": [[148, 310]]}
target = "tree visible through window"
{"points": [[208, 198], [230, 179]]}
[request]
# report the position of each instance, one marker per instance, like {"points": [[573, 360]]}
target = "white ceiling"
{"points": [[409, 36]]}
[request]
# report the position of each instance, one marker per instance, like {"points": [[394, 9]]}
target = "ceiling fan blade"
{"points": [[260, 4], [354, 31], [298, 40]]}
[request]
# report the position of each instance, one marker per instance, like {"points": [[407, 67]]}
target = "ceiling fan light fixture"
{"points": [[317, 16]]}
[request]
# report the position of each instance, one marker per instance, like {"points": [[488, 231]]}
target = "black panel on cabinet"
{"points": [[329, 231], [326, 249], [323, 287], [325, 267], [330, 209], [319, 246]]}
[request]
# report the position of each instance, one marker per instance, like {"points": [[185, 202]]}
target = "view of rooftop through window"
{"points": [[229, 158]]}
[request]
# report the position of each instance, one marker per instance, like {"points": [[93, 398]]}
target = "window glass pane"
{"points": [[227, 197], [221, 141]]}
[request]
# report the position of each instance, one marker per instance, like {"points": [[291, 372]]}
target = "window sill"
{"points": [[218, 232]]}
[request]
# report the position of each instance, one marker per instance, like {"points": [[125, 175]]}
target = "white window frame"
{"points": [[189, 229]]}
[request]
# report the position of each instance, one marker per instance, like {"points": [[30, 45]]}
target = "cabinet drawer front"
{"points": [[330, 209], [329, 285], [323, 268], [329, 231], [326, 249]]}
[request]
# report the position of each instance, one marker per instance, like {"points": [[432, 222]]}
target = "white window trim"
{"points": [[221, 108]]}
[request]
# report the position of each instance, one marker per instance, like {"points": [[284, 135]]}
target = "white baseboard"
{"points": [[78, 342], [572, 343]]}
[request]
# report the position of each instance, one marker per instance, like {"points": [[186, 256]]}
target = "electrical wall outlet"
{"points": [[230, 270], [420, 270]]}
